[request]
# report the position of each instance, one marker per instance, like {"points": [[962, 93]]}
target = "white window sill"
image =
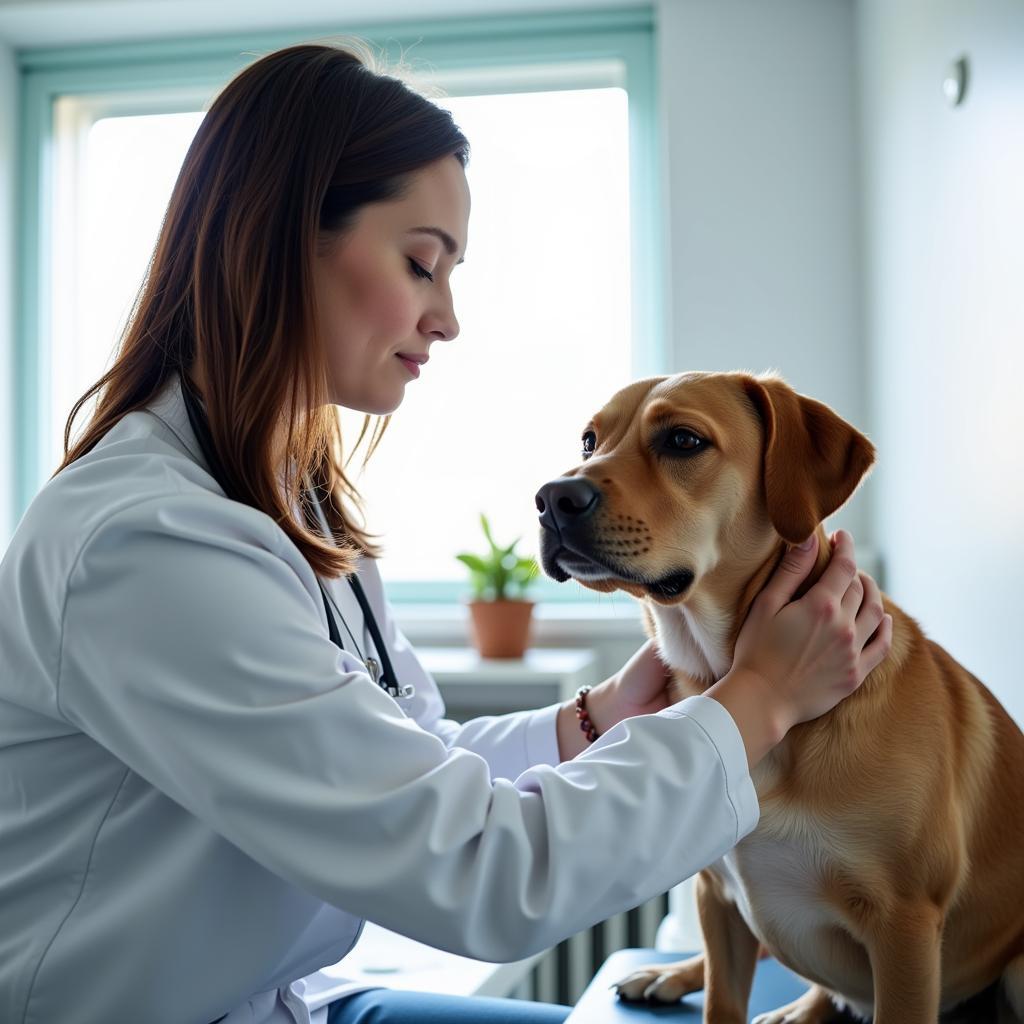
{"points": [[555, 625]]}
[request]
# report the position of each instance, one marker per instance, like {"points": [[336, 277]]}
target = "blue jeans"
{"points": [[392, 1006]]}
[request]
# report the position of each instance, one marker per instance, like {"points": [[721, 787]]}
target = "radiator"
{"points": [[562, 974]]}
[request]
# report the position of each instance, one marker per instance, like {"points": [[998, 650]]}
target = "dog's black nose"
{"points": [[566, 501]]}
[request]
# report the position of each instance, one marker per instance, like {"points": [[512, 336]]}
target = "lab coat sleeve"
{"points": [[509, 743], [194, 647]]}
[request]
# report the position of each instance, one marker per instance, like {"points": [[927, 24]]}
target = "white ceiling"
{"points": [[34, 23]]}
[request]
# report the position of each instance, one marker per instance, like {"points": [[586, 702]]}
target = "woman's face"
{"points": [[383, 295]]}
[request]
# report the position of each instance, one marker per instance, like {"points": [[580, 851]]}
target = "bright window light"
{"points": [[112, 191], [543, 300]]}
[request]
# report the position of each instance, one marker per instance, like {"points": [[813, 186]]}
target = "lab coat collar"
{"points": [[169, 406]]}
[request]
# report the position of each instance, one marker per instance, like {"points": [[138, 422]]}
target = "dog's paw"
{"points": [[662, 983], [813, 1007]]}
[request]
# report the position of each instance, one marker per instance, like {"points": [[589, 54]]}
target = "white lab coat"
{"points": [[201, 797]]}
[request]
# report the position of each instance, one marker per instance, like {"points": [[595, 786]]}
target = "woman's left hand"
{"points": [[640, 686]]}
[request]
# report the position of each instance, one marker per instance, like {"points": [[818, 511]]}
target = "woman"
{"points": [[202, 795]]}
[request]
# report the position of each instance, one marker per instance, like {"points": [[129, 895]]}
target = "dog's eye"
{"points": [[683, 440], [589, 443]]}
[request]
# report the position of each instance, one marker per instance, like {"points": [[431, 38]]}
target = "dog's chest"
{"points": [[777, 877], [776, 886]]}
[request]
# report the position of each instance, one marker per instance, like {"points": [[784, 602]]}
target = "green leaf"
{"points": [[511, 548], [474, 562], [487, 530]]}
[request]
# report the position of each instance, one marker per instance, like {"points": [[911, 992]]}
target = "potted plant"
{"points": [[499, 611]]}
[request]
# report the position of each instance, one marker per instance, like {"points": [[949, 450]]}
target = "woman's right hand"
{"points": [[795, 660]]}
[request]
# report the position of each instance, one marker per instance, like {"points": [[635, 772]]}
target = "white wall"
{"points": [[760, 109], [944, 205], [8, 171]]}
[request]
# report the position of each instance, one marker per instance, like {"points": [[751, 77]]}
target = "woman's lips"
{"points": [[411, 366]]}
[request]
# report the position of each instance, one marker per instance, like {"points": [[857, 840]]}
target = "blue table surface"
{"points": [[774, 986]]}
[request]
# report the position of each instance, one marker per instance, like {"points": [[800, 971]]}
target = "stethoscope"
{"points": [[383, 672]]}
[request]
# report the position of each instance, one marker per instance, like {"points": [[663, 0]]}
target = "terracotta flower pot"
{"points": [[500, 629]]}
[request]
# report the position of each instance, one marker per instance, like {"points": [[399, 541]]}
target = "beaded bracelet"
{"points": [[586, 725]]}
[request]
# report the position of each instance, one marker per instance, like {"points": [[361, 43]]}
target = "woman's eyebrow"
{"points": [[450, 245]]}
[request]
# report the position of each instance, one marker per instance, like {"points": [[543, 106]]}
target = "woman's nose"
{"points": [[442, 329], [440, 322]]}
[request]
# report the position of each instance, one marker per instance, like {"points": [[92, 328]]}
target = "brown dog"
{"points": [[887, 866]]}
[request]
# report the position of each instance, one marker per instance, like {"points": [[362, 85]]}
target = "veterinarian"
{"points": [[211, 772]]}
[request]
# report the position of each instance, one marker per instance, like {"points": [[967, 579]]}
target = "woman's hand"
{"points": [[795, 660], [638, 688]]}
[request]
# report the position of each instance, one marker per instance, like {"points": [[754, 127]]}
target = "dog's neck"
{"points": [[698, 636], [694, 638]]}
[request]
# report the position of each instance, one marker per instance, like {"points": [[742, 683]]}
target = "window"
{"points": [[543, 301], [114, 177], [552, 314]]}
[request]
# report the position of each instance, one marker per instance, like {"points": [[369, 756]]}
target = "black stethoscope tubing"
{"points": [[387, 681]]}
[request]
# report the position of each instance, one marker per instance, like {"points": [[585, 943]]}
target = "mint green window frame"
{"points": [[175, 75]]}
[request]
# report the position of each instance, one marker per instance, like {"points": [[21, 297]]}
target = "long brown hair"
{"points": [[285, 157]]}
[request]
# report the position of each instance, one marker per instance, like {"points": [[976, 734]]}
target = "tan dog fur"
{"points": [[887, 866]]}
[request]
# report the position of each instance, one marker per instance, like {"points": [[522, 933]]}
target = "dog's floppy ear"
{"points": [[813, 459]]}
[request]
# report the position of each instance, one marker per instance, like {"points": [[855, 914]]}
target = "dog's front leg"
{"points": [[730, 954], [905, 951]]}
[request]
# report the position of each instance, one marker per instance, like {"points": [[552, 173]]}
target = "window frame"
{"points": [[168, 76]]}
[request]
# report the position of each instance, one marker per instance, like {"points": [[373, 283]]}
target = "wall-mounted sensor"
{"points": [[954, 85]]}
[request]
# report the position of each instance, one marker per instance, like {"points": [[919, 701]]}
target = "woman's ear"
{"points": [[813, 459]]}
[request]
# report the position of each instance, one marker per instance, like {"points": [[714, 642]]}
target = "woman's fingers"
{"points": [[877, 649], [872, 627], [791, 572], [870, 611], [839, 573], [852, 601]]}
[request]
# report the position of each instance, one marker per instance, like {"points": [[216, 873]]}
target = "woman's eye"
{"points": [[589, 443], [420, 271], [683, 440]]}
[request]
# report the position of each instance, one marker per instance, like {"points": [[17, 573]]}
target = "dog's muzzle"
{"points": [[566, 508]]}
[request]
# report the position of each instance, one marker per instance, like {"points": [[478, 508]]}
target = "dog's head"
{"points": [[688, 478]]}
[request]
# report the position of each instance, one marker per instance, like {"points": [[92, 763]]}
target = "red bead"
{"points": [[586, 725]]}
